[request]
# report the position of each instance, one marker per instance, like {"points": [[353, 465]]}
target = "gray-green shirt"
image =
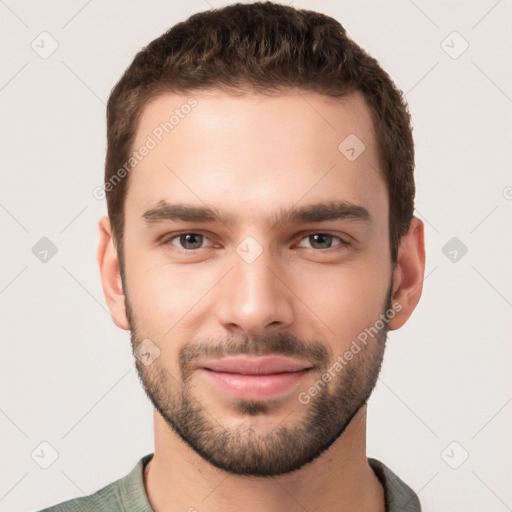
{"points": [[129, 495]]}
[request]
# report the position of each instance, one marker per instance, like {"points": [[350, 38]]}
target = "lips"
{"points": [[254, 378], [256, 366]]}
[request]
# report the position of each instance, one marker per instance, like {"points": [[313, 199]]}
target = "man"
{"points": [[260, 243]]}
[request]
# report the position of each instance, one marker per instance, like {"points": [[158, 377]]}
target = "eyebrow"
{"points": [[320, 212]]}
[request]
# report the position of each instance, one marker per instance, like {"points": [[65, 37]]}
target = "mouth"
{"points": [[255, 378]]}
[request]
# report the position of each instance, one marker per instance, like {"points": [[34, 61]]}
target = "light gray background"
{"points": [[67, 374]]}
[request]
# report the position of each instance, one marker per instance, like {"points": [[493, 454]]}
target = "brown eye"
{"points": [[188, 241]]}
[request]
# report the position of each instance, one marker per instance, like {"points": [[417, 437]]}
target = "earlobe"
{"points": [[111, 274], [408, 274]]}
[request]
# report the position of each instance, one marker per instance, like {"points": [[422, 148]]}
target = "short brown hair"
{"points": [[262, 47]]}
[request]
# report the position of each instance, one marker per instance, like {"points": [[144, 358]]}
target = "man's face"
{"points": [[228, 300]]}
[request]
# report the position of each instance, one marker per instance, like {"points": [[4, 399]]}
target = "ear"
{"points": [[408, 274], [111, 274]]}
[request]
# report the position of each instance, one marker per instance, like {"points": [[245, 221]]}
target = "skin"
{"points": [[249, 156]]}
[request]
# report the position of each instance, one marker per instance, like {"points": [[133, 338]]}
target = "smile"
{"points": [[256, 378]]}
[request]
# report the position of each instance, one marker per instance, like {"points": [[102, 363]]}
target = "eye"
{"points": [[190, 241], [323, 240], [187, 241]]}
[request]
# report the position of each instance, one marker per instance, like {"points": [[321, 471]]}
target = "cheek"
{"points": [[163, 296], [347, 299], [331, 302]]}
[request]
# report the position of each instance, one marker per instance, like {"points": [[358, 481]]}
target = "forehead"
{"points": [[253, 153]]}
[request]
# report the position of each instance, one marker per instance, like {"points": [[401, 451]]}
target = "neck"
{"points": [[178, 479]]}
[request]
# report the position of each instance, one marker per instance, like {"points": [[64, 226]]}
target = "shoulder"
{"points": [[127, 493], [399, 496], [104, 499]]}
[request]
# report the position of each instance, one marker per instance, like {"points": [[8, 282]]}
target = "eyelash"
{"points": [[168, 240]]}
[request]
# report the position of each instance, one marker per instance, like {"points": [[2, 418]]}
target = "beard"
{"points": [[248, 450]]}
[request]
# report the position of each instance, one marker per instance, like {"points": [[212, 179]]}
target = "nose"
{"points": [[256, 297]]}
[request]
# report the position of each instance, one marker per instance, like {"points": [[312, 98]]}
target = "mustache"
{"points": [[275, 344]]}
